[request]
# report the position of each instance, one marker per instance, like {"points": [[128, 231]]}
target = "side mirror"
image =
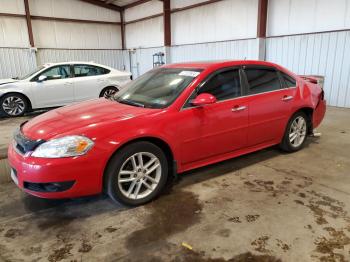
{"points": [[42, 78], [204, 99]]}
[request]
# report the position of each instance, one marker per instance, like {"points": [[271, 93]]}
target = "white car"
{"points": [[59, 84]]}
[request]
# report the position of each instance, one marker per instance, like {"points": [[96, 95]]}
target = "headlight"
{"points": [[67, 146]]}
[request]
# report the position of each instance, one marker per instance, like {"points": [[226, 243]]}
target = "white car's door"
{"points": [[89, 80], [56, 90]]}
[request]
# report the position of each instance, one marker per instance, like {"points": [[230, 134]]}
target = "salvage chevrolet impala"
{"points": [[169, 120]]}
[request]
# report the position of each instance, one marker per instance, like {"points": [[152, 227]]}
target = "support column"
{"points": [[261, 29], [167, 29], [261, 48], [29, 23], [122, 26]]}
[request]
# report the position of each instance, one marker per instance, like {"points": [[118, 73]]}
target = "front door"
{"points": [[217, 128], [56, 90]]}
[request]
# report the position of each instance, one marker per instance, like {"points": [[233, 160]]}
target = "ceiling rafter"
{"points": [[139, 2], [104, 4]]}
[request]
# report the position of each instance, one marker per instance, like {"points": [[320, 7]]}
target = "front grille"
{"points": [[20, 149], [23, 144]]}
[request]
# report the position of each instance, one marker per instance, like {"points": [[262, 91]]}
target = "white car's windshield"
{"points": [[157, 88], [29, 74]]}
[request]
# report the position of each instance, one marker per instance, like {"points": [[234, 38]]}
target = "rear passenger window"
{"points": [[225, 85], [262, 80], [288, 80], [89, 70]]}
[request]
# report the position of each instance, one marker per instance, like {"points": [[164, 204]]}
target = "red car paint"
{"points": [[196, 136]]}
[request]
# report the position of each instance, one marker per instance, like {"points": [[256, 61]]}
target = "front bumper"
{"points": [[72, 177]]}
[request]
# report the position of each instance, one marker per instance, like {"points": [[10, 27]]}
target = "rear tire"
{"points": [[136, 174], [296, 133], [109, 92], [12, 105]]}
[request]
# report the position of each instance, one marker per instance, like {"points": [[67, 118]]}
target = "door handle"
{"points": [[287, 98], [238, 108]]}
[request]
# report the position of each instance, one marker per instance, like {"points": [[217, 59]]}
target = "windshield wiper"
{"points": [[130, 102]]}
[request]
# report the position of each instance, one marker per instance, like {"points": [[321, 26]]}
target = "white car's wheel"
{"points": [[109, 92], [13, 105]]}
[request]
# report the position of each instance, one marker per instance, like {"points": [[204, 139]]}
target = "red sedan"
{"points": [[169, 120]]}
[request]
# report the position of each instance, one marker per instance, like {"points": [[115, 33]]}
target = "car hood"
{"points": [[7, 81], [80, 117]]}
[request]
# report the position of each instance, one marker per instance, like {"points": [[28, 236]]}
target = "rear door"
{"points": [[269, 104], [89, 80], [217, 128], [56, 90]]}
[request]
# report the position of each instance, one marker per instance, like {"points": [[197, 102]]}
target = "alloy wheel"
{"points": [[139, 175], [109, 93], [297, 132], [13, 105]]}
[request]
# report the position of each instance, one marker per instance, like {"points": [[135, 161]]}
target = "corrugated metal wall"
{"points": [[114, 58], [73, 35], [287, 17], [325, 54], [16, 62], [20, 61], [217, 27], [221, 21], [147, 33], [238, 49], [56, 39]]}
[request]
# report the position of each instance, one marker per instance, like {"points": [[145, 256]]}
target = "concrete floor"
{"points": [[266, 206]]}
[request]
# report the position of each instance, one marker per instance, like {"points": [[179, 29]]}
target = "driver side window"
{"points": [[224, 85], [56, 72]]}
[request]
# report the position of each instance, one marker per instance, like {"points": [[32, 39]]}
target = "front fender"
{"points": [[23, 88]]}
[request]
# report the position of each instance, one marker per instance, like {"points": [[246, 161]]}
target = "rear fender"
{"points": [[318, 102], [319, 112]]}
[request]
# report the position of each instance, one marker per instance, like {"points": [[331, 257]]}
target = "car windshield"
{"points": [[29, 74], [157, 88]]}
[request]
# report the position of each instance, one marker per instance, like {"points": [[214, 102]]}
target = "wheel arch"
{"points": [[25, 96], [308, 111], [163, 145]]}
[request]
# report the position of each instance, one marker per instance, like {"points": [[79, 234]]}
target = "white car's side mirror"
{"points": [[42, 78]]}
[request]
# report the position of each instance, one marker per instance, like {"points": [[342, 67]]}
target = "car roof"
{"points": [[74, 62], [219, 64]]}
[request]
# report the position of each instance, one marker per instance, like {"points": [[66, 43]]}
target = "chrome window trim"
{"points": [[242, 67], [282, 89]]}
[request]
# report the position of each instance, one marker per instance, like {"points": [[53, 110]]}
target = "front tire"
{"points": [[13, 105], [136, 174], [296, 133]]}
